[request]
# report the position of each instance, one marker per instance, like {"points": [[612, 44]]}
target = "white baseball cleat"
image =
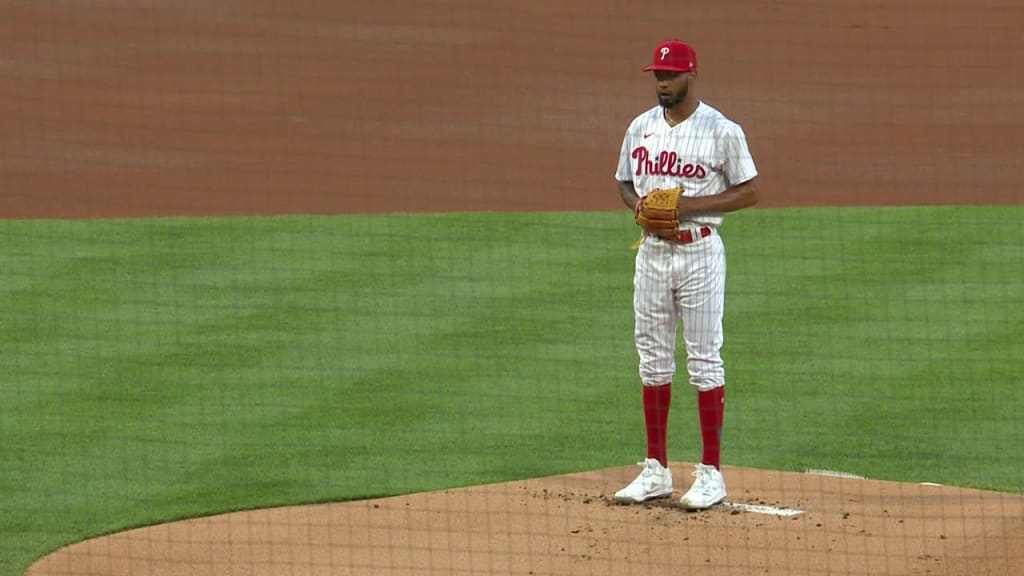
{"points": [[654, 481], [708, 489]]}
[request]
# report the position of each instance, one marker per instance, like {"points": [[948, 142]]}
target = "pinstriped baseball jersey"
{"points": [[705, 154]]}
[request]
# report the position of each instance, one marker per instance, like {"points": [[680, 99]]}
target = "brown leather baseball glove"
{"points": [[658, 212]]}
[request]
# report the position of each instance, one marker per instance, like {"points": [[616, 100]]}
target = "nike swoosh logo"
{"points": [[649, 134]]}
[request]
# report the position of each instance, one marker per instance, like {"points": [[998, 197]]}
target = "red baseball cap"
{"points": [[673, 56]]}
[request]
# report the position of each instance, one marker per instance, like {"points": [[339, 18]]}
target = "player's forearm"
{"points": [[628, 193], [733, 199]]}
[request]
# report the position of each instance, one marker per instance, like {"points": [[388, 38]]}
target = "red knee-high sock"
{"points": [[656, 403], [712, 410]]}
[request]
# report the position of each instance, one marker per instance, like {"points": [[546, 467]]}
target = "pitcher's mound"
{"points": [[773, 523]]}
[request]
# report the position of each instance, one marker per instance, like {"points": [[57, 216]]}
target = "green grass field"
{"points": [[167, 368]]}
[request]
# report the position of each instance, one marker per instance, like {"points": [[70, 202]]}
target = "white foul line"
{"points": [[760, 509]]}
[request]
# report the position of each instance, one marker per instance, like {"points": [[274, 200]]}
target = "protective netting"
{"points": [[322, 287]]}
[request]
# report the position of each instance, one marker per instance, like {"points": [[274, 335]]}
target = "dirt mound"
{"points": [[773, 523]]}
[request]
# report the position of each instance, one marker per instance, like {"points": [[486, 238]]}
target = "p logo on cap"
{"points": [[673, 56]]}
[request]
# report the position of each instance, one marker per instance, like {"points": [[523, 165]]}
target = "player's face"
{"points": [[672, 87]]}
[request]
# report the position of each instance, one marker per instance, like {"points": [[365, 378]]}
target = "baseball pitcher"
{"points": [[683, 165]]}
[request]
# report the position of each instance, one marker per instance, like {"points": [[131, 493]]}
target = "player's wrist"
{"points": [[684, 205]]}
